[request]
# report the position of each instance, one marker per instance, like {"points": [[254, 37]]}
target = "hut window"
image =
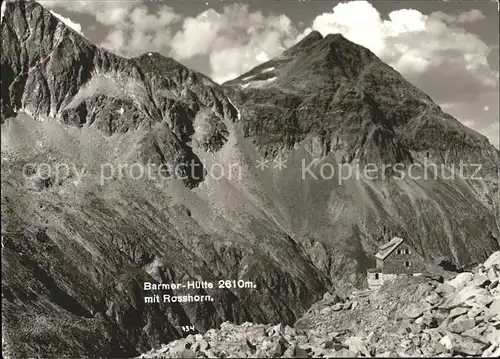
{"points": [[376, 276], [407, 264]]}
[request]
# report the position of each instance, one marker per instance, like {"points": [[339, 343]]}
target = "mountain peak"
{"points": [[335, 76], [313, 36], [305, 43], [335, 37]]}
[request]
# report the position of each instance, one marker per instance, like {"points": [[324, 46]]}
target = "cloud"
{"points": [[410, 41], [68, 22], [105, 12], [235, 40], [2, 10], [133, 27], [232, 41]]}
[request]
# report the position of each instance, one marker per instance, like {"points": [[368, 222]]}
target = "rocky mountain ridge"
{"points": [[75, 251], [49, 70]]}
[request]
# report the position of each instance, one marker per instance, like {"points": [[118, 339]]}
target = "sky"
{"points": [[449, 49]]}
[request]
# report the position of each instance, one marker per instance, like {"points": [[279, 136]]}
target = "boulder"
{"points": [[476, 333], [462, 296], [493, 284], [447, 342], [326, 311], [493, 309], [354, 305], [337, 307], [357, 346], [302, 324], [331, 298], [461, 280], [444, 289], [290, 331], [468, 347], [275, 330], [492, 274], [414, 311], [300, 352], [433, 298], [484, 299], [333, 344], [440, 348], [404, 327], [203, 345], [492, 352], [427, 321], [493, 337], [455, 312], [474, 312], [177, 346]]}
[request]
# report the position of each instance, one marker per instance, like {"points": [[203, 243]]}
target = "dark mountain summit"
{"points": [[339, 104], [79, 245]]}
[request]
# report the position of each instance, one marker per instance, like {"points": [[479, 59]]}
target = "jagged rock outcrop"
{"points": [[409, 317]]}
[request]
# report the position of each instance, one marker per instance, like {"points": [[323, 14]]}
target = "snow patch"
{"points": [[247, 78], [150, 54], [68, 22], [239, 114], [258, 83], [120, 111], [268, 69], [58, 34], [111, 84]]}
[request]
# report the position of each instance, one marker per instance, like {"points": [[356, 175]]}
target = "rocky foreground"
{"points": [[411, 316]]}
